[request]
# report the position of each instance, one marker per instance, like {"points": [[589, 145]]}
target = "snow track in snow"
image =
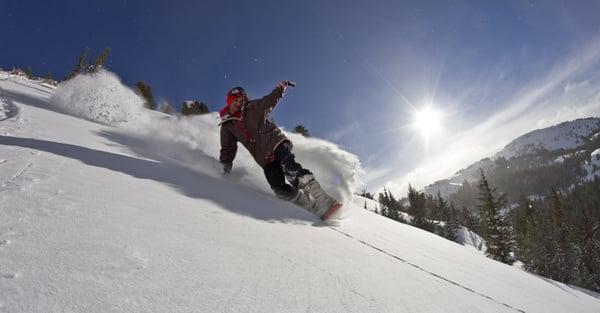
{"points": [[16, 176], [424, 270]]}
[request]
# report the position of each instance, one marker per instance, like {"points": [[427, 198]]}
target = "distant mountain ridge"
{"points": [[567, 147], [566, 135]]}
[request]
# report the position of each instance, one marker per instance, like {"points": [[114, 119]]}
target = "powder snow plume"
{"points": [[99, 97], [193, 141]]}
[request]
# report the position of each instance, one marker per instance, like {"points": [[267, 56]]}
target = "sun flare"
{"points": [[428, 121]]}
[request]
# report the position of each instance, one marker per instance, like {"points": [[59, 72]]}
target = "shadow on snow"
{"points": [[233, 197]]}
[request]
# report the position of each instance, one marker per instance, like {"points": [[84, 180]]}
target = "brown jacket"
{"points": [[253, 129]]}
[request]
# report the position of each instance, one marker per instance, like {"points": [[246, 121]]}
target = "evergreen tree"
{"points": [[561, 261], [495, 229], [300, 129], [469, 220], [385, 201], [29, 72], [145, 91], [49, 79], [417, 209], [585, 201], [366, 194], [522, 220], [451, 225], [101, 60], [193, 107], [82, 65]]}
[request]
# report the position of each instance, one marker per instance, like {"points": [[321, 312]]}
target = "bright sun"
{"points": [[428, 121]]}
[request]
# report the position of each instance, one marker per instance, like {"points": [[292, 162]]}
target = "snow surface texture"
{"points": [[91, 221]]}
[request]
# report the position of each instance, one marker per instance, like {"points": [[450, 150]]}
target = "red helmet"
{"points": [[235, 92]]}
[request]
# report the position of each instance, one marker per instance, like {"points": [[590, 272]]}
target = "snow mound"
{"points": [[98, 97], [7, 108]]}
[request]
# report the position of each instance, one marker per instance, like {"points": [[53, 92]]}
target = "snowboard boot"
{"points": [[304, 200], [326, 206]]}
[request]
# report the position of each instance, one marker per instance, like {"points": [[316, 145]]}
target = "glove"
{"points": [[226, 169], [282, 84]]}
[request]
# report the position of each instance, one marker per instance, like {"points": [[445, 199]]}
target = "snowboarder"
{"points": [[247, 121]]}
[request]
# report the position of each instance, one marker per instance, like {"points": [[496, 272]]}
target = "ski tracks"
{"points": [[16, 176], [426, 271]]}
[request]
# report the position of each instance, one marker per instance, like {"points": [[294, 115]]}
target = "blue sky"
{"points": [[494, 69]]}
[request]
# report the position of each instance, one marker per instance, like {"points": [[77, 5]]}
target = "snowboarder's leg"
{"points": [[302, 178], [291, 169], [276, 178], [326, 205]]}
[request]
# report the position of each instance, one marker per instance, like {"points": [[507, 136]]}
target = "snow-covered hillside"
{"points": [[464, 236], [100, 218], [567, 135]]}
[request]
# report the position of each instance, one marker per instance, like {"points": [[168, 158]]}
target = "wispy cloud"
{"points": [[570, 89]]}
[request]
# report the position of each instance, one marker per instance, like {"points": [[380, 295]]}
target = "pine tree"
{"points": [[193, 107], [561, 261], [300, 129], [523, 219], [366, 194], [384, 200], [451, 226], [417, 209], [82, 65], [49, 79], [145, 91], [495, 229], [29, 72], [101, 60], [469, 220]]}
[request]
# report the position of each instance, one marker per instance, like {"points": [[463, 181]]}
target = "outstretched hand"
{"points": [[282, 85]]}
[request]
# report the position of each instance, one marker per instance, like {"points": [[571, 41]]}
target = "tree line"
{"points": [[556, 235]]}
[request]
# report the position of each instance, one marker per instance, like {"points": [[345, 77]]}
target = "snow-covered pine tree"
{"points": [[495, 229], [101, 60], [145, 91], [562, 257], [451, 226], [301, 129], [29, 72], [417, 209], [81, 66]]}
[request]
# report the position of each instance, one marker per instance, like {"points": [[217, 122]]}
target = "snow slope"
{"points": [[94, 219], [564, 136], [567, 135]]}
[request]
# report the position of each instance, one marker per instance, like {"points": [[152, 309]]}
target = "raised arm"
{"points": [[269, 101]]}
